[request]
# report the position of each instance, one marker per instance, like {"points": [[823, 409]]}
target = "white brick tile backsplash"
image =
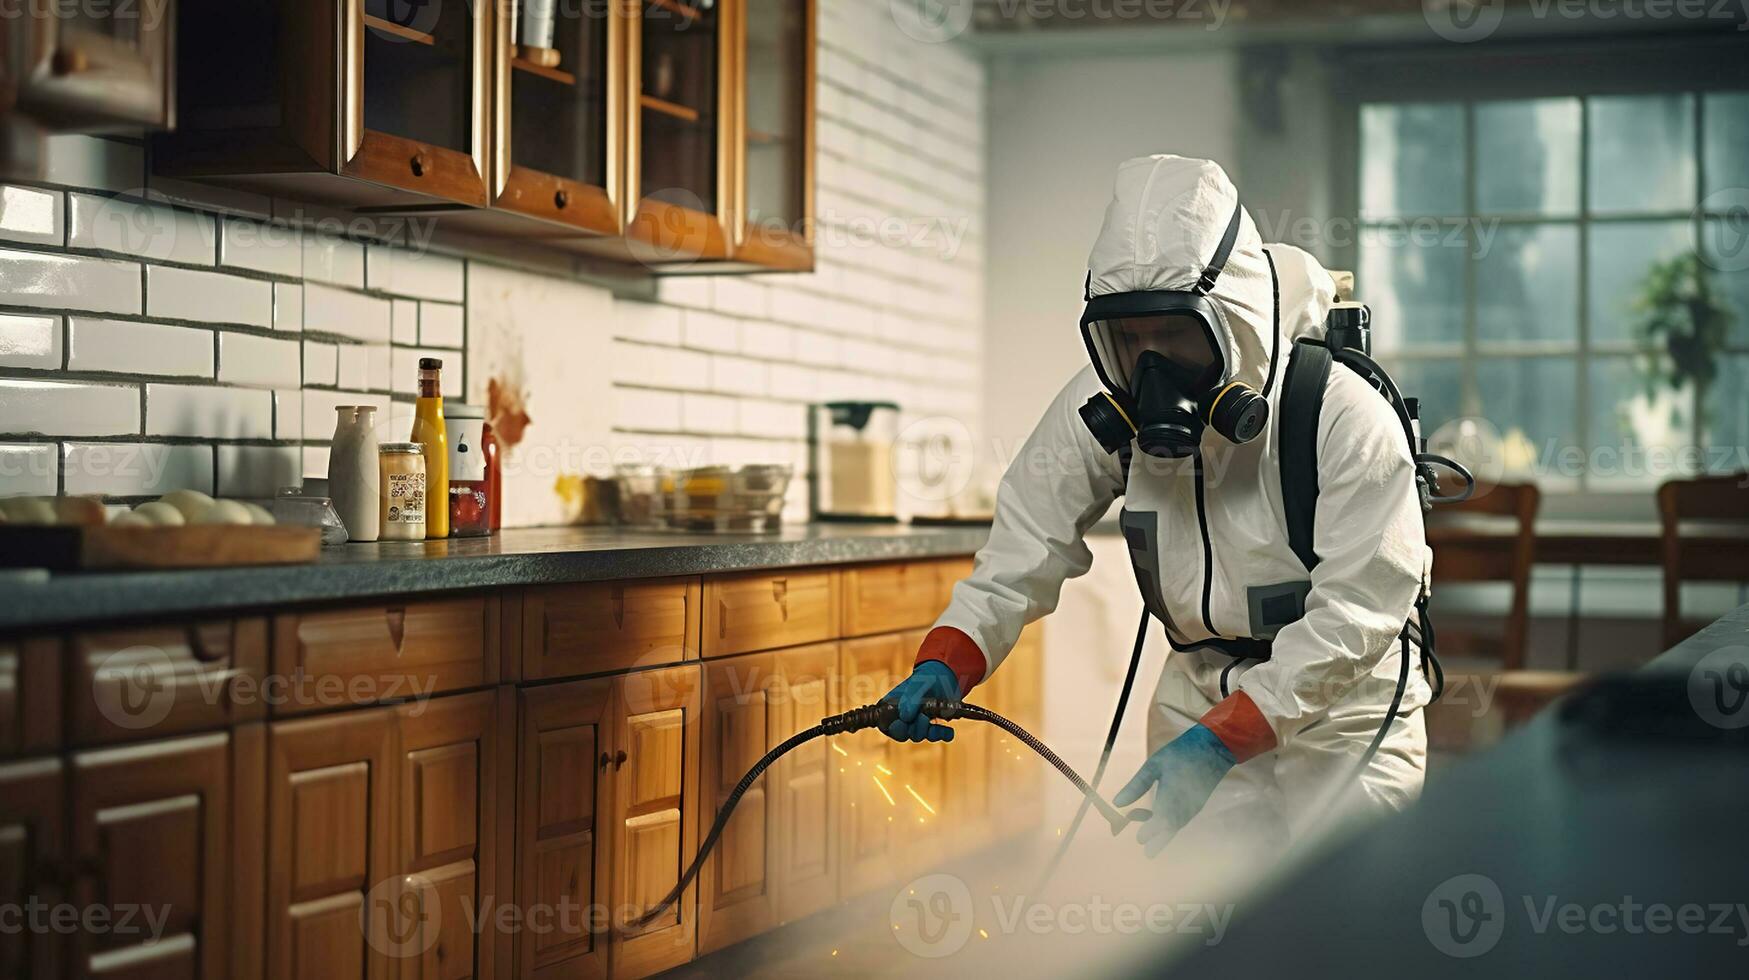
{"points": [[380, 367], [354, 366], [738, 375], [127, 347], [440, 325], [776, 420], [30, 341], [288, 306], [288, 414], [646, 411], [739, 297], [772, 341], [349, 314], [93, 163], [257, 471], [794, 382], [151, 231], [261, 362], [404, 317], [213, 297], [405, 365], [72, 282], [29, 468], [320, 417], [660, 367], [136, 469], [694, 291], [275, 249], [423, 275], [31, 215], [651, 323], [68, 409], [710, 331], [209, 412], [321, 363], [333, 260], [710, 414]]}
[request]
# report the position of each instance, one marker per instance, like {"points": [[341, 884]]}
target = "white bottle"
{"points": [[353, 476]]}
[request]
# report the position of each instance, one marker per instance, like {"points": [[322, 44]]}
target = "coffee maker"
{"points": [[850, 453]]}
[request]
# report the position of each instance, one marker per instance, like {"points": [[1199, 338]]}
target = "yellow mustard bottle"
{"points": [[430, 432]]}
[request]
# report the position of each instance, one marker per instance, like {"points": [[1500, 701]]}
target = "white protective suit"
{"points": [[1210, 541]]}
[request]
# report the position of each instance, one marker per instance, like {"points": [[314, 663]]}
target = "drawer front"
{"points": [[366, 654], [570, 630], [888, 598], [165, 680], [30, 696], [769, 610]]}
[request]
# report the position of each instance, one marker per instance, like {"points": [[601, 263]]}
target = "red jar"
{"points": [[470, 508]]}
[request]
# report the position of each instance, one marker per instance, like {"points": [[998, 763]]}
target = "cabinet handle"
{"points": [[605, 759], [619, 759], [418, 164]]}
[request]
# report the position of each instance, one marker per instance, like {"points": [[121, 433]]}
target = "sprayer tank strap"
{"points": [[1218, 262]]}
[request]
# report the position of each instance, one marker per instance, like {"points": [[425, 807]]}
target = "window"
{"points": [[1505, 249]]}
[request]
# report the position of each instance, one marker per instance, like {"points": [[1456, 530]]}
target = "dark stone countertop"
{"points": [[532, 556]]}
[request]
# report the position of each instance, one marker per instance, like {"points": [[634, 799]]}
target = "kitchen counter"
{"points": [[531, 556]]}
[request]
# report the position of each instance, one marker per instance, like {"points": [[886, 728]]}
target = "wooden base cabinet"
{"points": [[870, 845], [738, 886], [33, 813]]}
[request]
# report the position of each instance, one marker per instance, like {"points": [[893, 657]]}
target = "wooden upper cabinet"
{"points": [[559, 128], [656, 815], [151, 831], [89, 67], [361, 103], [563, 830], [773, 134], [32, 854]]}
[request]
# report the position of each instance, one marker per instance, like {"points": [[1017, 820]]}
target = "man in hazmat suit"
{"points": [[1280, 676]]}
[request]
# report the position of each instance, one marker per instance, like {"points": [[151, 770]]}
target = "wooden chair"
{"points": [[1460, 556], [1700, 557]]}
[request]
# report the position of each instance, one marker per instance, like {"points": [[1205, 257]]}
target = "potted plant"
{"points": [[1682, 329]]}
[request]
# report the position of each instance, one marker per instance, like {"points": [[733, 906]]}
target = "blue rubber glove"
{"points": [[929, 679], [1186, 770]]}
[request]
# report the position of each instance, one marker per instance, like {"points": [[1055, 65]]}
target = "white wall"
{"points": [[1059, 126]]}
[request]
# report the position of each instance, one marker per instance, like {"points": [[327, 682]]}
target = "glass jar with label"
{"points": [[403, 491], [470, 488]]}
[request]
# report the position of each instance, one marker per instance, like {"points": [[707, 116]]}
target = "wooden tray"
{"points": [[72, 548]]}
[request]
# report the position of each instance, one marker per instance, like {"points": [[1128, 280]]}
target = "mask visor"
{"points": [[1181, 340]]}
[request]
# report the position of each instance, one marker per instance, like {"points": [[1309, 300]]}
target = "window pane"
{"points": [[1727, 142], [1725, 244], [1629, 428], [1728, 417], [1527, 157], [1527, 282], [1621, 255], [1642, 153], [1438, 382], [1412, 159], [1415, 285], [1531, 401]]}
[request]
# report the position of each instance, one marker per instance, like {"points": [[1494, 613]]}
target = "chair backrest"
{"points": [[1521, 502], [1700, 557]]}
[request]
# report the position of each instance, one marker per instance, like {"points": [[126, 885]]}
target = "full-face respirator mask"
{"points": [[1162, 357]]}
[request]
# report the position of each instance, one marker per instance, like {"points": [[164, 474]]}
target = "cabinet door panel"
{"points": [[656, 818], [807, 781], [744, 613], [588, 629], [32, 844], [738, 894], [561, 844], [870, 843], [30, 696], [894, 596], [141, 682], [330, 843], [151, 831], [386, 652], [448, 760]]}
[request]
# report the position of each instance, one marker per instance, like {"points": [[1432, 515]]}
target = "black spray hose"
{"points": [[1123, 701], [877, 715]]}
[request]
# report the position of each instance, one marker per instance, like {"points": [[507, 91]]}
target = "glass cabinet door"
{"points": [[680, 113], [93, 66], [415, 95], [559, 123], [776, 134]]}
